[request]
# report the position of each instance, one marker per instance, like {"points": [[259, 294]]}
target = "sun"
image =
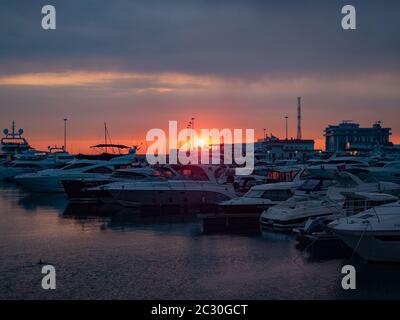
{"points": [[201, 143]]}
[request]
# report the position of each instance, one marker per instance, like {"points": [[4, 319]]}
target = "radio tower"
{"points": [[299, 118]]}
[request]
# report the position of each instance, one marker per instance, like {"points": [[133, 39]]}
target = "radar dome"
{"points": [[21, 131], [5, 131]]}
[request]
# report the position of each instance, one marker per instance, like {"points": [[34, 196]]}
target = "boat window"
{"points": [[368, 178], [309, 185], [254, 194], [261, 172], [305, 174], [27, 166], [166, 172], [345, 182], [379, 165], [65, 157], [346, 162], [219, 172], [127, 174], [193, 173], [99, 170], [354, 206], [393, 165], [277, 195], [281, 176], [77, 166], [60, 166], [366, 216]]}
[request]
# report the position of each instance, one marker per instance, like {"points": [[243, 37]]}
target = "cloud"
{"points": [[247, 39], [238, 63]]}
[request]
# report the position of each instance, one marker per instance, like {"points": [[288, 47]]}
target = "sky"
{"points": [[229, 64]]}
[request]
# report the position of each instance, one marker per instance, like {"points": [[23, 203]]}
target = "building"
{"points": [[278, 149], [349, 135]]}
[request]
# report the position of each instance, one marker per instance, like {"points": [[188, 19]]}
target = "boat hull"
{"points": [[41, 184], [373, 246], [80, 190], [179, 198]]}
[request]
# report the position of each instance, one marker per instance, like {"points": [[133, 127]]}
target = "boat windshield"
{"points": [[77, 166], [315, 185], [192, 172], [309, 185], [355, 205], [254, 194]]}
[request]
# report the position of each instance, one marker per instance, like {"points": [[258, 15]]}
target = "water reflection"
{"points": [[148, 255], [31, 202]]}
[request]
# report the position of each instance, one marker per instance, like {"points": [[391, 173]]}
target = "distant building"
{"points": [[348, 135], [279, 149]]}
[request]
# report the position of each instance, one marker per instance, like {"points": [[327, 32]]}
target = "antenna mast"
{"points": [[299, 118]]}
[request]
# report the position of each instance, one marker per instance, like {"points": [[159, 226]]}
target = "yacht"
{"points": [[31, 161], [317, 230], [200, 186], [373, 234], [259, 198], [388, 172], [13, 143], [262, 197], [331, 166], [295, 212], [80, 190], [50, 180]]}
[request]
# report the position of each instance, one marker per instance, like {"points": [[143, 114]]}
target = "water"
{"points": [[126, 256]]}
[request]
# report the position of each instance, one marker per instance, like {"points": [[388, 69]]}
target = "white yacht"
{"points": [[331, 166], [374, 234], [262, 197], [316, 229], [389, 172], [80, 189], [269, 174], [13, 143], [348, 182], [200, 186], [50, 180], [295, 212], [259, 198], [33, 161]]}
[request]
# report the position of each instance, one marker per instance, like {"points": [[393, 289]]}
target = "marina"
{"points": [[311, 216], [197, 158]]}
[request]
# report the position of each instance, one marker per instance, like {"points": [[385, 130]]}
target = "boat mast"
{"points": [[65, 134], [105, 135]]}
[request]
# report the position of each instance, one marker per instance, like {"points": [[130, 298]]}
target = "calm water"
{"points": [[125, 256]]}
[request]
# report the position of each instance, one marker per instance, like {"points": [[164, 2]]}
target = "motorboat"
{"points": [[81, 189], [296, 185], [268, 174], [200, 186], [294, 213], [330, 167], [374, 234], [32, 161], [259, 198], [317, 230], [50, 180], [389, 172], [348, 182]]}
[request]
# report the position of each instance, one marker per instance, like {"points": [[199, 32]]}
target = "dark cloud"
{"points": [[261, 55], [244, 38]]}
